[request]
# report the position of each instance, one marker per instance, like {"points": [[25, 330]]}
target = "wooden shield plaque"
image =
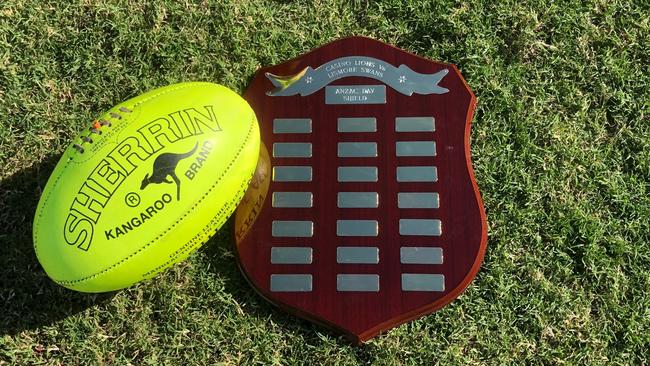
{"points": [[364, 212]]}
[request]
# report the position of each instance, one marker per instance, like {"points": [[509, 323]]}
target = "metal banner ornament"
{"points": [[402, 78], [364, 212]]}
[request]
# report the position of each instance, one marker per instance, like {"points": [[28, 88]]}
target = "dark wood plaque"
{"points": [[364, 212]]}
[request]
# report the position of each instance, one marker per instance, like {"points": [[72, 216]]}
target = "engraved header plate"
{"points": [[363, 213], [355, 94]]}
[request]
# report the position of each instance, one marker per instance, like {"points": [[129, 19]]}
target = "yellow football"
{"points": [[150, 181]]}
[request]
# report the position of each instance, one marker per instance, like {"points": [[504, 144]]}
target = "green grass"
{"points": [[560, 144]]}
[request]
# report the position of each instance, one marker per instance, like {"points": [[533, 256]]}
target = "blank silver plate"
{"points": [[292, 150], [291, 283], [292, 199], [357, 124], [415, 124], [357, 150], [357, 282], [417, 174], [423, 282], [291, 255], [420, 255], [292, 174], [292, 229], [357, 200], [415, 148], [357, 174], [420, 227], [357, 227], [357, 255], [292, 125], [418, 200]]}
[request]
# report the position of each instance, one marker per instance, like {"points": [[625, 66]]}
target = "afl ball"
{"points": [[150, 181]]}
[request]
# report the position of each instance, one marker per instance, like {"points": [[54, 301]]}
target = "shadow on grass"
{"points": [[28, 298]]}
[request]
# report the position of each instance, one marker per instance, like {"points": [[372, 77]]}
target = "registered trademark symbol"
{"points": [[132, 199]]}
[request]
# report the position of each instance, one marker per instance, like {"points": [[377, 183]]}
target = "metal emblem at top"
{"points": [[402, 78], [364, 213]]}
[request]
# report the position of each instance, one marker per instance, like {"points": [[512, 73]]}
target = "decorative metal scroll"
{"points": [[402, 78]]}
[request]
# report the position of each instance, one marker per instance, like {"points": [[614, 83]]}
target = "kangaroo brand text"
{"points": [[135, 222], [199, 160]]}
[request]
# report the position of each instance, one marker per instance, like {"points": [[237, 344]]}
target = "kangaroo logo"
{"points": [[164, 166]]}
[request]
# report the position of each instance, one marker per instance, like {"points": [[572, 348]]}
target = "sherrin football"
{"points": [[149, 182]]}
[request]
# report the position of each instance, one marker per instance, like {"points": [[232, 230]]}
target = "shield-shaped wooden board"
{"points": [[364, 212]]}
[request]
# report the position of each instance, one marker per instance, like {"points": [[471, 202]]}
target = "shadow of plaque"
{"points": [[364, 212]]}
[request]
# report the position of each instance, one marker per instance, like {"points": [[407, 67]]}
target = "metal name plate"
{"points": [[355, 94], [415, 124], [292, 150], [417, 174], [357, 282], [418, 200], [423, 282], [292, 199], [357, 255], [292, 125], [357, 150], [357, 228], [420, 227], [292, 229], [415, 148], [292, 174], [363, 212], [290, 283], [357, 200], [420, 255], [291, 255], [357, 174], [359, 124]]}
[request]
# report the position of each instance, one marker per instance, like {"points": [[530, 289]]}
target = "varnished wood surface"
{"points": [[364, 315]]}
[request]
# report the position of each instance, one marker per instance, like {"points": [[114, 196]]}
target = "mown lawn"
{"points": [[560, 144]]}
